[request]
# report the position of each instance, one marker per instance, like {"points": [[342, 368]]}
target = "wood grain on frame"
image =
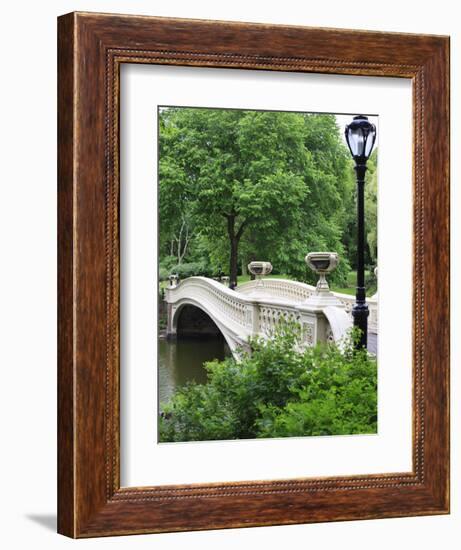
{"points": [[91, 48]]}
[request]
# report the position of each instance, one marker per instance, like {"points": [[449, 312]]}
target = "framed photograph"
{"points": [[253, 259]]}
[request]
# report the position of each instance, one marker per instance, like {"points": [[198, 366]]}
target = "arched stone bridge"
{"points": [[255, 308]]}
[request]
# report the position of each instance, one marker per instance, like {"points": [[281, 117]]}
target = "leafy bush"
{"points": [[278, 390], [163, 273], [371, 282], [191, 269], [185, 270], [166, 266], [168, 262]]}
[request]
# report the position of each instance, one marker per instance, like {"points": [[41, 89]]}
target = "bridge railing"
{"points": [[240, 315], [256, 308], [217, 298], [297, 291], [280, 288]]}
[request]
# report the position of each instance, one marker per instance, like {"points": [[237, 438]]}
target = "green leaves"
{"points": [[286, 175], [278, 391]]}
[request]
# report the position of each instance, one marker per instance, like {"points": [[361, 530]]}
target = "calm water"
{"points": [[182, 360]]}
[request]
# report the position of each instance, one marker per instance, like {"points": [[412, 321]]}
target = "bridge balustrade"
{"points": [[255, 308], [295, 290]]}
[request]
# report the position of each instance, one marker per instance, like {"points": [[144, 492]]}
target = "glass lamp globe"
{"points": [[360, 137]]}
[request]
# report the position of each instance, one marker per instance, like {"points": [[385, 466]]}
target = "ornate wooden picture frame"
{"points": [[92, 48]]}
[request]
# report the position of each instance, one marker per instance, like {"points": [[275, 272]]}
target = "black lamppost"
{"points": [[360, 136]]}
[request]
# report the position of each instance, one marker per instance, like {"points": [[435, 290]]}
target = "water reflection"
{"points": [[181, 361]]}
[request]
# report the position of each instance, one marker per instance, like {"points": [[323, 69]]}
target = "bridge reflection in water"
{"points": [[182, 360]]}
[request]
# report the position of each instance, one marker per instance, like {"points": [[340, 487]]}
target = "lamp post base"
{"points": [[360, 314]]}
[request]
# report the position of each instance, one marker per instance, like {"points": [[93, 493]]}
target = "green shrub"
{"points": [[166, 266], [163, 273], [278, 391], [168, 262], [185, 270], [192, 269], [371, 282]]}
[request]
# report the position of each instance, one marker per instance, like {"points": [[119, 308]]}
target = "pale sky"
{"points": [[342, 120]]}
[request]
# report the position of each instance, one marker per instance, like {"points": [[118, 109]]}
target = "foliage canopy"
{"points": [[238, 185]]}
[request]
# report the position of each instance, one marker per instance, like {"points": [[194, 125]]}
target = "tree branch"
{"points": [[241, 228]]}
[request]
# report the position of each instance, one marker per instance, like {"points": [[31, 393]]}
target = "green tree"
{"points": [[253, 183], [349, 236], [174, 207], [371, 207]]}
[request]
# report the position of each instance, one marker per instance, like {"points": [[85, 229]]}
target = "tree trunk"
{"points": [[233, 252], [233, 265], [234, 243], [252, 275]]}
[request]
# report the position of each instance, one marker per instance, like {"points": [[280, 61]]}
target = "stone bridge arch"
{"points": [[190, 317]]}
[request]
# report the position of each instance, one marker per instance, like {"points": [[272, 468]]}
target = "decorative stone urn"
{"points": [[225, 280], [259, 270], [173, 278], [323, 263]]}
